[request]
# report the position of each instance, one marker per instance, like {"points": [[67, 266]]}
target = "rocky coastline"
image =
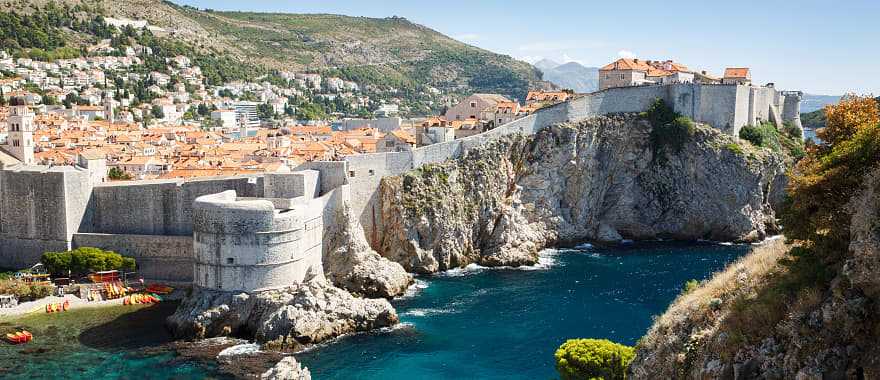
{"points": [[601, 179]]}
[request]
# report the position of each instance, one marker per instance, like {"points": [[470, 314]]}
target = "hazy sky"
{"points": [[821, 47]]}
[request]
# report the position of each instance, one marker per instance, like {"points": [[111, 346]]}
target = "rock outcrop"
{"points": [[287, 369], [289, 318], [829, 332], [600, 180], [351, 264]]}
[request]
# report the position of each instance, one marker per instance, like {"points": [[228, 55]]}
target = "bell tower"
{"points": [[20, 125]]}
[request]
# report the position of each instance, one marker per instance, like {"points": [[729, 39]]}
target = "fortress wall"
{"points": [[303, 183], [365, 172], [159, 258], [40, 209], [712, 105], [333, 173], [158, 207], [248, 245]]}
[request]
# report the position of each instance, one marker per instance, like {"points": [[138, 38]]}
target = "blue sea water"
{"points": [[474, 323], [483, 323]]}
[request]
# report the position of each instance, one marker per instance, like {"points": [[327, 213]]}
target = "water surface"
{"points": [[506, 323]]}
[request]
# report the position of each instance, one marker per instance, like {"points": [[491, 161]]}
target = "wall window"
{"points": [[351, 173], [622, 77], [372, 172], [473, 104], [230, 260], [607, 76]]}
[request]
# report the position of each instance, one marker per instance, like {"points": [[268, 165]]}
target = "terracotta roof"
{"points": [[736, 72]]}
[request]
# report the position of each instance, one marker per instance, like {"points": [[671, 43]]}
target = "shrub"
{"points": [[690, 286], [83, 260], [735, 148], [593, 359], [766, 135], [24, 291], [670, 131]]}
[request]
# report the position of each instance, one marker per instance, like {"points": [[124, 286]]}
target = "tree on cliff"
{"points": [[824, 182], [84, 260], [593, 359]]}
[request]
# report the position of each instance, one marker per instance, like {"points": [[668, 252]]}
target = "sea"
{"points": [[469, 323]]}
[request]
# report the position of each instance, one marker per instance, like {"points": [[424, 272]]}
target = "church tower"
{"points": [[108, 108], [20, 124]]}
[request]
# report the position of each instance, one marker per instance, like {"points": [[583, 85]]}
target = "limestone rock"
{"points": [[351, 264], [830, 332], [599, 179], [287, 369], [285, 318]]}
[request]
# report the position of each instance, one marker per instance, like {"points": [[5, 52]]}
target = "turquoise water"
{"points": [[472, 323], [506, 323]]}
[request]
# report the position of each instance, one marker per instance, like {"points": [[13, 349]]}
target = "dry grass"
{"points": [[699, 313]]}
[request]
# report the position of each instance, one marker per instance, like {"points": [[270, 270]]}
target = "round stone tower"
{"points": [[250, 245], [791, 109]]}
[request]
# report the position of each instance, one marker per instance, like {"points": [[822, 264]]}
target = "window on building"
{"points": [[622, 77], [351, 173], [473, 104], [372, 172], [389, 143], [607, 76], [230, 260]]}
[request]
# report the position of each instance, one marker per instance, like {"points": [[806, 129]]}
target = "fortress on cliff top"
{"points": [[263, 231]]}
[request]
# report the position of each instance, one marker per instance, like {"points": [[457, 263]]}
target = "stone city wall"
{"points": [[157, 207], [40, 210], [250, 245], [159, 258]]}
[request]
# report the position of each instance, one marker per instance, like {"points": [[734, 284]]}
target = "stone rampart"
{"points": [[40, 210], [159, 258], [157, 207], [250, 245]]}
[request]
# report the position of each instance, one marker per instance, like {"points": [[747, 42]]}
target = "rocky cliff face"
{"points": [[830, 332], [351, 264], [595, 180]]}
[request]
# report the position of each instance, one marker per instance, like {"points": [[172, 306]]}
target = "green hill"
{"points": [[387, 52]]}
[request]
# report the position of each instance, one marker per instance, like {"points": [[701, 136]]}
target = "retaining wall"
{"points": [[159, 258]]}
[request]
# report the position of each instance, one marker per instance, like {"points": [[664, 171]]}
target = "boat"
{"points": [[19, 337], [159, 289]]}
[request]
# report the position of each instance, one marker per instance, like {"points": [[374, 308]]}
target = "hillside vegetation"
{"points": [[388, 52], [803, 308]]}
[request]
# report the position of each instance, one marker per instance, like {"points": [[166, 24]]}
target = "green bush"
{"points": [[593, 359], [735, 148], [24, 291], [766, 135], [83, 260], [690, 286], [670, 130]]}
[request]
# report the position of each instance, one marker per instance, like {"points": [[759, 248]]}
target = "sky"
{"points": [[820, 47]]}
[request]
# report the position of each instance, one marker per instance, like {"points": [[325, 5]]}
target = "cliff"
{"points": [[603, 179], [732, 327]]}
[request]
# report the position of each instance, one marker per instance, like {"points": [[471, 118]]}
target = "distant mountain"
{"points": [[811, 102], [571, 75], [546, 64]]}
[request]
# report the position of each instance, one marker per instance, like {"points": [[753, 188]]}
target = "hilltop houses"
{"points": [[737, 75], [626, 72]]}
